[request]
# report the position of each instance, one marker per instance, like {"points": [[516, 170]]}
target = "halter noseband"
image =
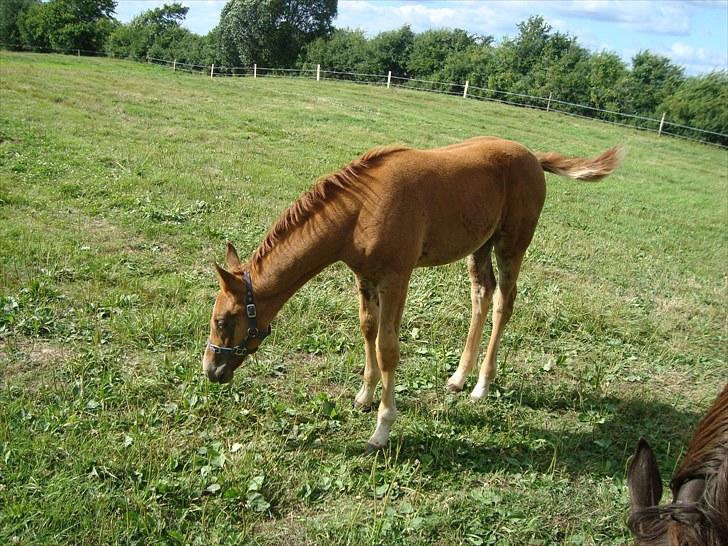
{"points": [[253, 332]]}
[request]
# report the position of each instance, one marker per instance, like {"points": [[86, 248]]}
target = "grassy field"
{"points": [[119, 185]]}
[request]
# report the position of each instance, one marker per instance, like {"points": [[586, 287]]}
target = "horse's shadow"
{"points": [[598, 446]]}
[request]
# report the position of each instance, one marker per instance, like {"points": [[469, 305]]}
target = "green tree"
{"points": [[529, 46], [344, 51], [539, 63], [153, 32], [563, 71], [701, 102], [653, 78], [200, 50], [607, 78], [10, 10], [391, 50], [519, 64], [431, 48], [470, 64], [272, 32], [68, 24]]}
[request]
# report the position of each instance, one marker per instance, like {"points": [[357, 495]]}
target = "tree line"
{"points": [[537, 62]]}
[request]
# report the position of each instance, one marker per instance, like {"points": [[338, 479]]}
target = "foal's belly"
{"points": [[452, 244]]}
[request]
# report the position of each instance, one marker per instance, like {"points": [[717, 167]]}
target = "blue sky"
{"points": [[693, 34]]}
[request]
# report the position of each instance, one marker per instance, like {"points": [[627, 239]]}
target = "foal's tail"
{"points": [[582, 169]]}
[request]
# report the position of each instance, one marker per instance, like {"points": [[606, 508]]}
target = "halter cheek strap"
{"points": [[253, 333]]}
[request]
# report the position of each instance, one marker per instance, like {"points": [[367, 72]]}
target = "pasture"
{"points": [[120, 184]]}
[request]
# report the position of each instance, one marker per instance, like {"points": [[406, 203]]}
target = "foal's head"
{"points": [[698, 513], [234, 332]]}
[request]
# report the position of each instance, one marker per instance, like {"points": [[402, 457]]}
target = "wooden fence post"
{"points": [[174, 65], [318, 72], [255, 70], [389, 79], [78, 52], [548, 104], [465, 91], [212, 69], [662, 122]]}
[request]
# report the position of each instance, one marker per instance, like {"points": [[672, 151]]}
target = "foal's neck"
{"points": [[279, 272]]}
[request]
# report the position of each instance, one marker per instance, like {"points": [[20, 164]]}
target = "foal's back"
{"points": [[430, 207]]}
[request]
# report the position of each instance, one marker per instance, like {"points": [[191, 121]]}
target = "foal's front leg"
{"points": [[392, 295], [369, 322]]}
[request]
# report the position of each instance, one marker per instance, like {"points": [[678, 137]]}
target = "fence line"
{"points": [[387, 80], [467, 91]]}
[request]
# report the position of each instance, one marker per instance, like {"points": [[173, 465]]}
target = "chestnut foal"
{"points": [[384, 214]]}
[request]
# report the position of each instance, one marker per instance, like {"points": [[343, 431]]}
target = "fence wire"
{"points": [[547, 104]]}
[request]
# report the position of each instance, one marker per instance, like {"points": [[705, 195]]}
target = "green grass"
{"points": [[119, 185]]}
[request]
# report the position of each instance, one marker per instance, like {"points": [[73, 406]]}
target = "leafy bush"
{"points": [[702, 102], [67, 24]]}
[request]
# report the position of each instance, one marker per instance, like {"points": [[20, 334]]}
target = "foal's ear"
{"points": [[229, 283], [233, 262], [643, 478]]}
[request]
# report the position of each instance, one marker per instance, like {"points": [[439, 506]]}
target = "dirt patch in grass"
{"points": [[289, 529], [30, 364], [108, 236]]}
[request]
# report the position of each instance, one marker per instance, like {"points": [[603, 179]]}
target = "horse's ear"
{"points": [[229, 283], [233, 262], [643, 478]]}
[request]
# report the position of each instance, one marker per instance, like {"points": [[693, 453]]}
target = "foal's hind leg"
{"points": [[482, 285], [369, 322], [509, 265]]}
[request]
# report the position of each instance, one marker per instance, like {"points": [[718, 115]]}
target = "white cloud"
{"points": [[649, 16], [476, 17], [696, 59], [499, 17], [433, 15], [126, 10], [202, 16]]}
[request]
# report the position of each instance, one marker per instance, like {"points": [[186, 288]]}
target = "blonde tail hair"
{"points": [[579, 168]]}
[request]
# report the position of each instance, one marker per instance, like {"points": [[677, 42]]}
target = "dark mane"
{"points": [[709, 445], [321, 192], [705, 522]]}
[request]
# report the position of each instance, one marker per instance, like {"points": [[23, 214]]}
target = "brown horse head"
{"points": [[234, 332], [698, 513]]}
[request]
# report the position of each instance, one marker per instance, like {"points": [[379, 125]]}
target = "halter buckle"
{"points": [[251, 311]]}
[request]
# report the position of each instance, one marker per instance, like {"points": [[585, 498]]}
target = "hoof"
{"points": [[372, 448], [364, 408], [452, 387], [479, 393]]}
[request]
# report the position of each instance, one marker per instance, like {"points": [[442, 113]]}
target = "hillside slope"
{"points": [[119, 185]]}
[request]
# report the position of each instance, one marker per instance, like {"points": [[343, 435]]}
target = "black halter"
{"points": [[253, 332]]}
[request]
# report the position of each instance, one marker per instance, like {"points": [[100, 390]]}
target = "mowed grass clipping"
{"points": [[120, 184]]}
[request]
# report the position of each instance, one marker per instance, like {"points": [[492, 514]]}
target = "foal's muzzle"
{"points": [[219, 368], [222, 374]]}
